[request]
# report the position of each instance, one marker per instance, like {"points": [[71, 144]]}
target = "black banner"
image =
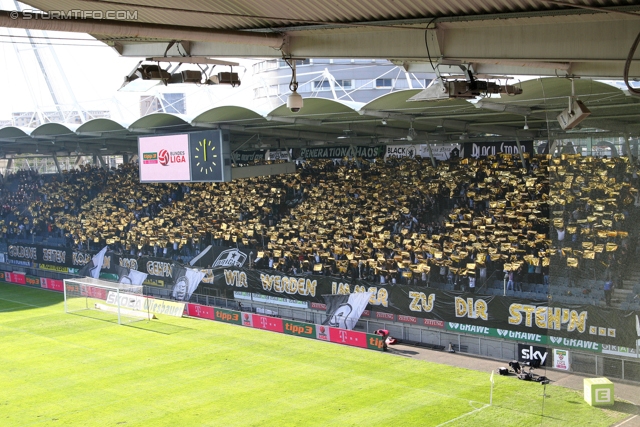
{"points": [[68, 260], [48, 257], [216, 257], [484, 149], [247, 156], [494, 314], [338, 152]]}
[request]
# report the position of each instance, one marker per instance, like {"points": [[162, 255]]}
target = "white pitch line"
{"points": [[23, 303], [626, 421], [463, 415], [38, 335]]}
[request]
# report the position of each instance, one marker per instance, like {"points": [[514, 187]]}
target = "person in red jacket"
{"points": [[384, 334]]}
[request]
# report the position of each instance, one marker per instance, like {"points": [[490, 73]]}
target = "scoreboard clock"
{"points": [[209, 156], [188, 157]]}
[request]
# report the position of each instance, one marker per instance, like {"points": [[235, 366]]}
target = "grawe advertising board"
{"points": [[164, 158]]}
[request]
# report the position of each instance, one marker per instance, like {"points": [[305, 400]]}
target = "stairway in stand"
{"points": [[624, 296]]}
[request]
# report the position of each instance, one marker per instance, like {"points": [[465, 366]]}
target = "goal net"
{"points": [[105, 300]]}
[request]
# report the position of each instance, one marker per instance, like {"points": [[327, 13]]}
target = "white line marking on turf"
{"points": [[33, 333], [626, 421], [23, 303], [463, 415]]}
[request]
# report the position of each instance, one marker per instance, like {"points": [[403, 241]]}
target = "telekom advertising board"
{"points": [[164, 158]]}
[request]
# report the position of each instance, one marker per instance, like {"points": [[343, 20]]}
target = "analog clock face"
{"points": [[205, 157]]}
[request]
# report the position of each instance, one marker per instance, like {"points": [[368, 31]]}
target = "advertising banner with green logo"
{"points": [[227, 316], [301, 329], [524, 336]]}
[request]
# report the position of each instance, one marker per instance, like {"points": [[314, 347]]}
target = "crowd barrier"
{"points": [[609, 361]]}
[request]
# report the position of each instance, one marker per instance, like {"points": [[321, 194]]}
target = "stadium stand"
{"points": [[386, 221]]}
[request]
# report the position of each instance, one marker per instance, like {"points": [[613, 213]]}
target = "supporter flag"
{"points": [[186, 280], [92, 268], [129, 276], [343, 311]]}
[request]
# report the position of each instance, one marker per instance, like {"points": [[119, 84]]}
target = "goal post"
{"points": [[105, 300]]}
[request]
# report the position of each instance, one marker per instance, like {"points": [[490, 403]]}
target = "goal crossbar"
{"points": [[125, 300]]}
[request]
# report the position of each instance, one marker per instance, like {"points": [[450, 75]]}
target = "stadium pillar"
{"points": [[520, 151], [433, 161], [100, 160], [552, 146], [55, 160], [627, 146]]}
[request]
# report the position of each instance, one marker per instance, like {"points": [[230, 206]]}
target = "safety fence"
{"points": [[618, 366]]}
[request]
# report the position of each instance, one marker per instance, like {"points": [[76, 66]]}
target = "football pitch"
{"points": [[62, 369]]}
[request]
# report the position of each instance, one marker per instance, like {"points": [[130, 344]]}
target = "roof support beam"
{"points": [[524, 46], [142, 30]]}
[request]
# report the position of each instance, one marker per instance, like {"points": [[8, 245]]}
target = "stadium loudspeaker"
{"points": [[570, 118]]}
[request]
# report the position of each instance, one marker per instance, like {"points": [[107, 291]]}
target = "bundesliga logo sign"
{"points": [[165, 157]]}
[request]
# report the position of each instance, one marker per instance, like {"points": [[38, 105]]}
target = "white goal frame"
{"points": [[125, 300]]}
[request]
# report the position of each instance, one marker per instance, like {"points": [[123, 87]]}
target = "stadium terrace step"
{"points": [[620, 297]]}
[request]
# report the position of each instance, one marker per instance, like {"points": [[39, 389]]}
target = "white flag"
{"points": [[343, 311], [133, 277], [92, 268], [186, 281]]}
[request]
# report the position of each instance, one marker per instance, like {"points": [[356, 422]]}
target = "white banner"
{"points": [[268, 299], [439, 151], [142, 303], [561, 359], [402, 151], [277, 155]]}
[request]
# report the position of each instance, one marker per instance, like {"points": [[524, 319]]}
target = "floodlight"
{"points": [[229, 79], [470, 88], [186, 76]]}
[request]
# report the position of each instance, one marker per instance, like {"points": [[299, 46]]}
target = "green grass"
{"points": [[72, 370]]}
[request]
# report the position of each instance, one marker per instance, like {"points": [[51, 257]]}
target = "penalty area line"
{"points": [[464, 415], [23, 303]]}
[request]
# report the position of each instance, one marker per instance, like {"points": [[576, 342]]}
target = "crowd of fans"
{"points": [[463, 222]]}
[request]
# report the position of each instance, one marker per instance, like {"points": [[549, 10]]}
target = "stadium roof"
{"points": [[588, 38], [385, 120]]}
